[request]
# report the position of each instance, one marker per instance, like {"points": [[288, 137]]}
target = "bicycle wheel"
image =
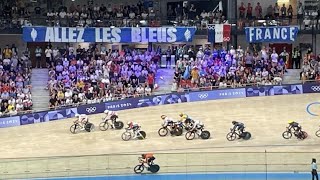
{"points": [[287, 135], [103, 126], [138, 169], [74, 129], [126, 136], [190, 135], [142, 135], [303, 135], [179, 132], [154, 168], [163, 131], [89, 127], [118, 124], [231, 136], [246, 136], [318, 133], [205, 135]]}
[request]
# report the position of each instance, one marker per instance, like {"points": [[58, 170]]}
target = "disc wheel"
{"points": [[142, 135], [126, 136], [246, 135], [163, 131], [205, 135], [178, 132], [318, 133], [286, 135], [103, 126], [118, 124], [138, 169], [231, 136], [154, 168], [190, 135]]}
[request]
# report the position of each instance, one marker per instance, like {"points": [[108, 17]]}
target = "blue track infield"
{"points": [[194, 176]]}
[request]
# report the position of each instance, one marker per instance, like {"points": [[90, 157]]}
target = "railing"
{"points": [[123, 164], [309, 23], [157, 93]]}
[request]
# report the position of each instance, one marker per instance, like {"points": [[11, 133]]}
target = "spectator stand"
{"points": [[93, 75], [221, 68], [15, 85]]}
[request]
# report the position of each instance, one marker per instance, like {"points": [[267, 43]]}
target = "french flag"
{"points": [[218, 33]]}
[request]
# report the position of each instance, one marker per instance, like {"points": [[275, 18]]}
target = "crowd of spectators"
{"points": [[15, 86], [220, 68], [103, 15], [311, 67], [190, 15], [80, 76]]}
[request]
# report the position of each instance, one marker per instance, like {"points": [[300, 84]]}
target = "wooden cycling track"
{"points": [[265, 117]]}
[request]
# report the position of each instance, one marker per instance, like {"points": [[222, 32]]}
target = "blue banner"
{"points": [[311, 88], [217, 94], [274, 90], [271, 34], [9, 122], [109, 35]]}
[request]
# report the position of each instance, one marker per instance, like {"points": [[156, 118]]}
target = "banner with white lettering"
{"points": [[271, 34], [109, 35]]}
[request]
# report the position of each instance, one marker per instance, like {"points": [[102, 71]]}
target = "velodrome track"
{"points": [[265, 117]]}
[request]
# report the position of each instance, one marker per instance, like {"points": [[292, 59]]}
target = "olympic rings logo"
{"points": [[203, 96], [91, 109], [309, 110], [226, 39], [315, 88]]}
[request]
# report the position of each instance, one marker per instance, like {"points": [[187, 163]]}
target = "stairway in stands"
{"points": [[292, 76], [40, 96], [164, 79]]}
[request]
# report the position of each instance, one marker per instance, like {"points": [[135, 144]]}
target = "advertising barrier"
{"points": [[274, 90], [156, 100]]}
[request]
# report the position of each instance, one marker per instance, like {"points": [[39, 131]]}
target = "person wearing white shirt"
{"points": [[147, 91], [119, 14], [68, 94], [48, 53], [204, 14], [62, 14], [132, 15], [55, 52], [144, 15], [265, 73], [71, 49], [274, 55]]}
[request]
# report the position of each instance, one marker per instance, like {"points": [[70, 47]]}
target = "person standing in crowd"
{"points": [[295, 58], [168, 53], [38, 53], [300, 12], [48, 53], [7, 52], [258, 11], [242, 10], [314, 168]]}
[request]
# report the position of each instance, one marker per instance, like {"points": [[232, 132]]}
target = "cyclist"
{"points": [[167, 121], [238, 126], [112, 115], [82, 119], [148, 158], [197, 125], [295, 126], [186, 119], [135, 127]]}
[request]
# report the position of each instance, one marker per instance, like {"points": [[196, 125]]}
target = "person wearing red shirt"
{"points": [[150, 80], [242, 10], [258, 11], [249, 11]]}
